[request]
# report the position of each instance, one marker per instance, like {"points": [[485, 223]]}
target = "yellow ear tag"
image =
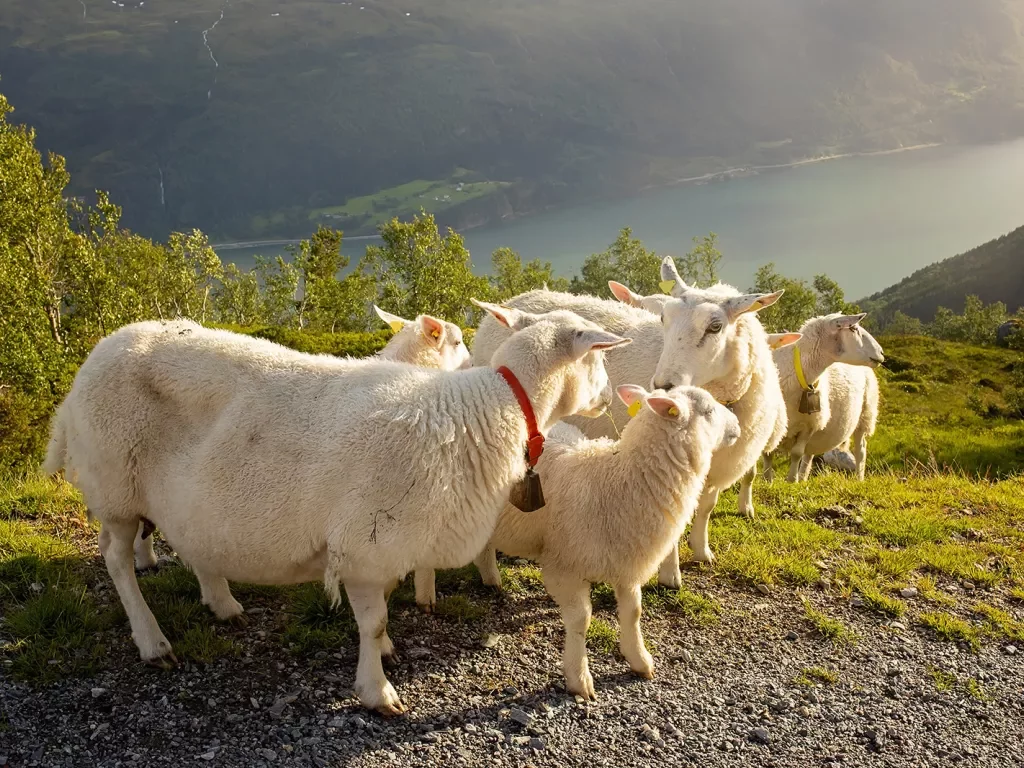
{"points": [[634, 408], [673, 411], [395, 326], [436, 335], [667, 285]]}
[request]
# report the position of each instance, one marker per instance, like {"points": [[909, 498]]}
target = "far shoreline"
{"points": [[282, 242]]}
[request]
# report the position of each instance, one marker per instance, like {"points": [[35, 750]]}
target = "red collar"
{"points": [[534, 440]]}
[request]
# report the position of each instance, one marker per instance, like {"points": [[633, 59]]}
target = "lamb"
{"points": [[614, 508], [427, 341], [265, 465], [836, 358]]}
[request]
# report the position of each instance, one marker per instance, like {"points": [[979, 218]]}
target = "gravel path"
{"points": [[723, 695]]}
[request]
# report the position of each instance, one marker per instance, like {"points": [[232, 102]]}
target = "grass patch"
{"points": [[460, 608], [204, 644], [826, 626], [316, 625], [929, 590], [601, 636], [951, 628], [521, 578], [699, 609], [879, 602], [1017, 593], [1000, 622], [812, 676], [944, 681], [772, 550]]}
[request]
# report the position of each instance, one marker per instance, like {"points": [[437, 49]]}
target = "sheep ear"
{"points": [[623, 294], [433, 330], [632, 396], [510, 318], [751, 302], [671, 283], [666, 407], [591, 341], [849, 321], [780, 340], [396, 322]]}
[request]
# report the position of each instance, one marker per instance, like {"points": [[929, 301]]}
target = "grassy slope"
{"points": [[952, 527], [315, 102], [993, 271]]}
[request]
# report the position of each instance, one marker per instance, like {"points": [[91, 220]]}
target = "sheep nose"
{"points": [[666, 385]]}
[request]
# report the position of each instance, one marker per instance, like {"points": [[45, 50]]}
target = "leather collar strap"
{"points": [[534, 439]]}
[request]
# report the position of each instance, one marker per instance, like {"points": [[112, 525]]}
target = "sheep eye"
{"points": [[715, 327]]}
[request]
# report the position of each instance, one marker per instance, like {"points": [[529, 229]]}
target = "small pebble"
{"points": [[97, 692], [764, 589], [760, 736], [908, 592]]}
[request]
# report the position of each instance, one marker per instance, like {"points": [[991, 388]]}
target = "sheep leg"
{"points": [[116, 546], [700, 550], [746, 502], [487, 564], [796, 457], [371, 612], [860, 453], [216, 595], [805, 467], [426, 593], [769, 468], [631, 640], [387, 647], [668, 573], [573, 598], [145, 556]]}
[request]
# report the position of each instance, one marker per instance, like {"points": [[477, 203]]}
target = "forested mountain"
{"points": [[992, 272], [252, 117]]}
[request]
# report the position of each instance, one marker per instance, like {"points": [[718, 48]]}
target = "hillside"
{"points": [[254, 118], [993, 271]]}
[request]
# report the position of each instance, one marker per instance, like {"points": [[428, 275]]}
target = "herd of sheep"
{"points": [[264, 465]]}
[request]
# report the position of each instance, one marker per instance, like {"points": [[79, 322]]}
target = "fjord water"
{"points": [[866, 221]]}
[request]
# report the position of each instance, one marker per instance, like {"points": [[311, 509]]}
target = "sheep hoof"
{"points": [[391, 710], [427, 608], [672, 582], [239, 620], [165, 662]]}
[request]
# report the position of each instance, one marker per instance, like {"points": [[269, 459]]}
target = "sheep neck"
{"points": [[814, 359]]}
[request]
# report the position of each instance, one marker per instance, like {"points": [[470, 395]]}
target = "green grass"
{"points": [[520, 579], [827, 627], [601, 636], [812, 676], [315, 625], [1000, 622], [698, 609], [460, 608], [951, 628], [407, 199], [944, 681]]}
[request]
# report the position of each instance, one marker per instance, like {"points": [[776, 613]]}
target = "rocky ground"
{"points": [[759, 686]]}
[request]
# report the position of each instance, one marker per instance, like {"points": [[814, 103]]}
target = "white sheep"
{"points": [[264, 465], [836, 358], [426, 341], [709, 338], [614, 508]]}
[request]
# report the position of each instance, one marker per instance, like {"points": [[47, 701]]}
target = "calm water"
{"points": [[866, 221]]}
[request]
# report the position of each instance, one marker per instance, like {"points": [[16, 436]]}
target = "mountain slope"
{"points": [[242, 116], [993, 271]]}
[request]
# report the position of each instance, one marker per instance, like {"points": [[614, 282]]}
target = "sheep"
{"points": [[427, 341], [613, 510], [716, 342], [837, 357], [655, 303], [264, 465]]}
